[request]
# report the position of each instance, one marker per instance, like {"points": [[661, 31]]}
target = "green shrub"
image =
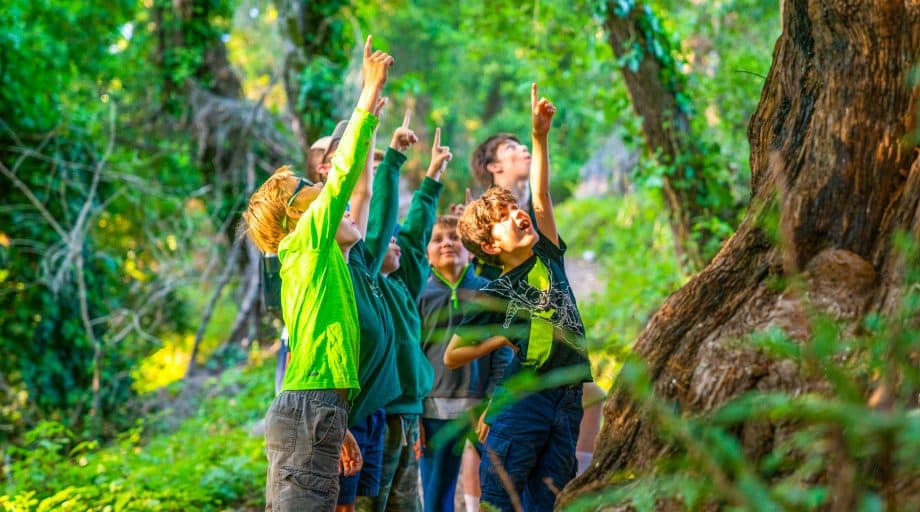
{"points": [[211, 461]]}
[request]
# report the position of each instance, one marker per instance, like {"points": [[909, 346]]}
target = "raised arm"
{"points": [[416, 230], [323, 216], [542, 115], [385, 202], [361, 196]]}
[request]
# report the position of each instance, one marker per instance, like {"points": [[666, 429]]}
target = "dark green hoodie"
{"points": [[402, 288], [377, 368]]}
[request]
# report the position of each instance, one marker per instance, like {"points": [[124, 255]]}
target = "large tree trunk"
{"points": [[656, 88], [834, 151]]}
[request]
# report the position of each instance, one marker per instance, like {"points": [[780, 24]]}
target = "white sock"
{"points": [[472, 502]]}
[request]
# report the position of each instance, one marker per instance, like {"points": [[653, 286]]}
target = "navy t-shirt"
{"points": [[533, 306]]}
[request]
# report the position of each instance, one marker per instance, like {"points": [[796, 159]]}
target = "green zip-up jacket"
{"points": [[317, 297], [402, 288], [377, 367]]}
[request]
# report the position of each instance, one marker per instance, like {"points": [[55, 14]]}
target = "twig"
{"points": [[35, 202], [209, 310]]}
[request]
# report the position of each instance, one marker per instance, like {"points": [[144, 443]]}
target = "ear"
{"points": [[494, 167], [490, 248]]}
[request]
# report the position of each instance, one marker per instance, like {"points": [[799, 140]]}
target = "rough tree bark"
{"points": [[834, 150]]}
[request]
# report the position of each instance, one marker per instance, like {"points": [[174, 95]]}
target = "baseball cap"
{"points": [[324, 143]]}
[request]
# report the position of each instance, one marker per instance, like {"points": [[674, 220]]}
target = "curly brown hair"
{"points": [[484, 154], [475, 225]]}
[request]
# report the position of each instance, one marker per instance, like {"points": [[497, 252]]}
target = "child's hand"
{"points": [[440, 155], [542, 112], [376, 67], [459, 208], [482, 428], [403, 137], [350, 461]]}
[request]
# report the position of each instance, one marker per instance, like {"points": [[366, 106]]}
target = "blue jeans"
{"points": [[399, 478], [532, 444], [440, 465]]}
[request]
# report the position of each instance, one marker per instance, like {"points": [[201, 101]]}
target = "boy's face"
{"points": [[512, 163], [347, 234], [445, 250], [513, 234], [305, 195], [391, 258]]}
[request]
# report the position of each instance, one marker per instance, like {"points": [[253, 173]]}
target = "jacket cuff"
{"points": [[394, 158]]}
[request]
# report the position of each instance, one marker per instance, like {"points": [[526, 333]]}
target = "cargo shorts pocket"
{"points": [[328, 423], [495, 455], [302, 489], [281, 429]]}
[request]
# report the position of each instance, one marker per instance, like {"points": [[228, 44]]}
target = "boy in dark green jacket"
{"points": [[377, 369], [404, 271]]}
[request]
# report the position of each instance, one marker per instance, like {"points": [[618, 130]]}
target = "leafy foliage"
{"points": [[209, 462]]}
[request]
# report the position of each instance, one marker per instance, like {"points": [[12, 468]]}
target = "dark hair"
{"points": [[484, 154]]}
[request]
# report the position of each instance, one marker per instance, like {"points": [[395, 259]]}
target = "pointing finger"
{"points": [[469, 196], [437, 137], [533, 94], [406, 118], [367, 47]]}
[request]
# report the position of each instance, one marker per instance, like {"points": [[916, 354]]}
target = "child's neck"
{"points": [[512, 260], [452, 273], [521, 190]]}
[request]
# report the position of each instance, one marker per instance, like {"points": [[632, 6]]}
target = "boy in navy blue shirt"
{"points": [[530, 308]]}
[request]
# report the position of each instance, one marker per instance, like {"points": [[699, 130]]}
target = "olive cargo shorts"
{"points": [[303, 438]]}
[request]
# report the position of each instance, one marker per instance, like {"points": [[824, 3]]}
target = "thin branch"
{"points": [[209, 310], [35, 202]]}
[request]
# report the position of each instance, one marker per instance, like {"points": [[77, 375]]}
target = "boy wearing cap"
{"points": [[321, 152]]}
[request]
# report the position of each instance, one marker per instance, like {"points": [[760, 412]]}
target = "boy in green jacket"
{"points": [[404, 271], [377, 373], [308, 227]]}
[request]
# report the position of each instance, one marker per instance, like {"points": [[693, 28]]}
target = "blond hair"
{"points": [[267, 210], [475, 225]]}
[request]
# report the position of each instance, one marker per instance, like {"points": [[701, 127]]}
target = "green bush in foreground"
{"points": [[210, 462]]}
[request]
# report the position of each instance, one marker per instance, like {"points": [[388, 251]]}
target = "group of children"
{"points": [[396, 341]]}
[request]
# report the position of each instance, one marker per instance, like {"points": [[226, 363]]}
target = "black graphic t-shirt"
{"points": [[534, 307]]}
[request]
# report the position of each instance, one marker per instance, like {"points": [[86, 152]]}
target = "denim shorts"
{"points": [[369, 436], [531, 445], [303, 438]]}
